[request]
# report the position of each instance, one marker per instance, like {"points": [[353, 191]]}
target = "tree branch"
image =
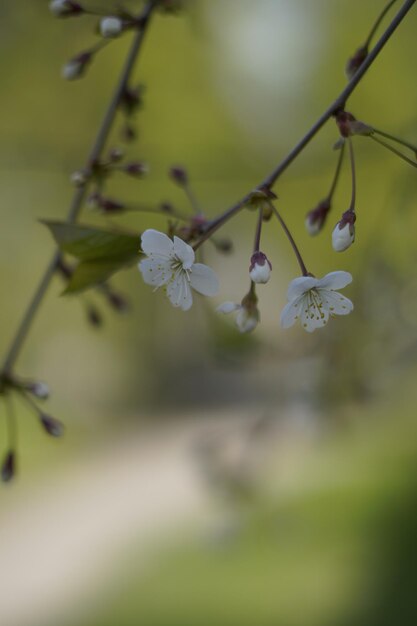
{"points": [[80, 193], [337, 104]]}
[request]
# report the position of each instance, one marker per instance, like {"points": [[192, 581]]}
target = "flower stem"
{"points": [[192, 199], [352, 169], [258, 231], [285, 228], [394, 150], [402, 142], [80, 192], [336, 174], [11, 422], [378, 22]]}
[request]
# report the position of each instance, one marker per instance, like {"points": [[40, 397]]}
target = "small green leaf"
{"points": [[88, 243], [91, 273]]}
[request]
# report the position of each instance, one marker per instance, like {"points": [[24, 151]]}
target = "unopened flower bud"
{"points": [[136, 169], [128, 133], [316, 218], [117, 302], [76, 67], [132, 99], [344, 122], [116, 155], [38, 389], [179, 175], [260, 268], [107, 205], [170, 6], [79, 178], [65, 8], [94, 316], [52, 426], [8, 467], [111, 27], [343, 234], [356, 61]]}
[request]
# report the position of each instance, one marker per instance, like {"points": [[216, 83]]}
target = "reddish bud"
{"points": [[316, 218], [117, 302], [65, 8], [260, 268], [343, 121], [52, 426], [8, 468], [179, 175], [76, 67], [356, 61], [116, 155], [136, 169], [94, 317]]}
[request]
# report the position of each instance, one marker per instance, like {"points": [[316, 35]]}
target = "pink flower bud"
{"points": [[260, 268], [65, 8], [316, 218], [76, 67], [356, 61], [179, 175], [52, 426], [8, 468], [343, 234]]}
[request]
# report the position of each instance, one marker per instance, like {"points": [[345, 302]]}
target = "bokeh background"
{"points": [[209, 478]]}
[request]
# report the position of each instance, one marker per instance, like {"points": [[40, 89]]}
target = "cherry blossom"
{"points": [[170, 264], [313, 301]]}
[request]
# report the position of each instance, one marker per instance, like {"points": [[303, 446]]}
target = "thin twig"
{"points": [[337, 173], [353, 173], [394, 150]]}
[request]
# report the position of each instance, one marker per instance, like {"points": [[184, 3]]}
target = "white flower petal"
{"points": [[300, 285], [336, 303], [291, 312], [342, 238], [184, 252], [156, 243], [179, 292], [204, 280], [314, 312], [228, 307], [156, 272], [335, 280]]}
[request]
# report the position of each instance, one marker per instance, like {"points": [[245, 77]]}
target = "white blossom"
{"points": [[343, 236], [313, 300], [111, 27], [170, 264], [247, 317]]}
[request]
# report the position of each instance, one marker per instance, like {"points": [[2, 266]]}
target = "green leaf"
{"points": [[88, 243], [91, 273]]}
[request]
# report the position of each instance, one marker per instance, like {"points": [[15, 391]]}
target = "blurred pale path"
{"points": [[60, 541]]}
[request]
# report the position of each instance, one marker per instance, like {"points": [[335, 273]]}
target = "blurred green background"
{"points": [[209, 478]]}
